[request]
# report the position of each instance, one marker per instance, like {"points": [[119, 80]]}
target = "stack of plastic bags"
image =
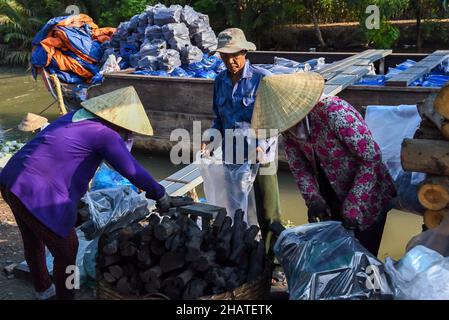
{"points": [[167, 41]]}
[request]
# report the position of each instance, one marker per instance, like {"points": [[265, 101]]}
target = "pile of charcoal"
{"points": [[167, 41], [193, 251]]}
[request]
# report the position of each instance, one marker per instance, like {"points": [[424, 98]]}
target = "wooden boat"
{"points": [[176, 102]]}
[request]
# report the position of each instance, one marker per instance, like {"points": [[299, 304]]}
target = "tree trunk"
{"points": [[316, 24], [418, 15], [428, 156], [433, 193]]}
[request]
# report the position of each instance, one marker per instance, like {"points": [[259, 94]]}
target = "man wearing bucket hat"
{"points": [[233, 103], [44, 181], [331, 152]]}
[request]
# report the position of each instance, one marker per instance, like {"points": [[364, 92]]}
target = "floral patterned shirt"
{"points": [[350, 158]]}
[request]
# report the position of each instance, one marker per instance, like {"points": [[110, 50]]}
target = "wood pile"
{"points": [[172, 255], [428, 152]]}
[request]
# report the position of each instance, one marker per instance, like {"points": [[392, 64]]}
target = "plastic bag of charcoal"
{"points": [[323, 261], [194, 251]]}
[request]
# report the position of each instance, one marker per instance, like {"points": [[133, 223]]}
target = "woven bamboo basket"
{"points": [[256, 290]]}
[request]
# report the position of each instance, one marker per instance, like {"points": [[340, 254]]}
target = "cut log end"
{"points": [[433, 219], [433, 196]]}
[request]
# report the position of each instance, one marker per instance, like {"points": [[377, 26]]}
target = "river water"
{"points": [[19, 94]]}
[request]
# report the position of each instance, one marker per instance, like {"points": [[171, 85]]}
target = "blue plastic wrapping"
{"points": [[206, 74], [323, 261], [434, 80], [179, 72], [106, 177], [378, 80], [157, 73]]}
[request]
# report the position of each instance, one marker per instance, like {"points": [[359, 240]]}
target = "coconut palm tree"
{"points": [[18, 26]]}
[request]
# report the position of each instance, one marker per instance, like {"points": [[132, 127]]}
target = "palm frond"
{"points": [[17, 57]]}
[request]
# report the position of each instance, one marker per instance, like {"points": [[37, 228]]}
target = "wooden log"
{"points": [[157, 247], [111, 248], [238, 229], [172, 261], [150, 288], [155, 274], [165, 229], [205, 261], [145, 275], [128, 249], [175, 242], [194, 289], [427, 130], [433, 219], [123, 286], [107, 261], [441, 103], [184, 277], [144, 257], [109, 278], [250, 235], [216, 278], [116, 271], [428, 156], [223, 247], [218, 222], [427, 111], [433, 193], [194, 237], [256, 264]]}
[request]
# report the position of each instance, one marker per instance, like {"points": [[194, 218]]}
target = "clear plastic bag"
{"points": [[206, 40], [111, 65], [323, 261], [406, 184], [153, 32], [228, 185], [436, 239], [189, 15], [107, 206], [164, 15], [191, 54], [422, 274], [153, 47], [169, 60]]}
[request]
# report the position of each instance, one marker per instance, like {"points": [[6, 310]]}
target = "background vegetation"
{"points": [[271, 24]]}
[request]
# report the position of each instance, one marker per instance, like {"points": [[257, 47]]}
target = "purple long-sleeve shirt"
{"points": [[51, 172]]}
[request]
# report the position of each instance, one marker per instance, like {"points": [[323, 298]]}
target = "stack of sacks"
{"points": [[286, 66], [72, 47], [169, 41]]}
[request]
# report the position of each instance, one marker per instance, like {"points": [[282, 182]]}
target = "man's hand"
{"points": [[318, 212], [207, 149]]}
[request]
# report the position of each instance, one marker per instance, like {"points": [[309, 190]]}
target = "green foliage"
{"points": [[113, 12], [18, 26], [383, 38]]}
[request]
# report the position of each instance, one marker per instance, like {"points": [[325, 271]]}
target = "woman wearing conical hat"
{"points": [[331, 152], [44, 181]]}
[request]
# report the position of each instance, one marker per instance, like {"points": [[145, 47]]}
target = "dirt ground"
{"points": [[11, 251]]}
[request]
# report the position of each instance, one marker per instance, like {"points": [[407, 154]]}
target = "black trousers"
{"points": [[369, 238]]}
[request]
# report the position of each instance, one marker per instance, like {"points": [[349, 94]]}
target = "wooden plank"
{"points": [[406, 77], [343, 79]]}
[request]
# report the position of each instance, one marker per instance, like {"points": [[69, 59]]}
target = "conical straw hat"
{"points": [[32, 122], [284, 100], [123, 108]]}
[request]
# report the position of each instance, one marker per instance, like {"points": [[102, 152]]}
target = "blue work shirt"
{"points": [[233, 106]]}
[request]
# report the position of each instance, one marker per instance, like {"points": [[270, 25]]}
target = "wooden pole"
{"points": [[61, 105]]}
